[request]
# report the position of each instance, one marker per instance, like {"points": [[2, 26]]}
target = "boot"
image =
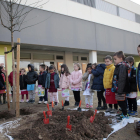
{"points": [[0, 100], [98, 107], [104, 107], [66, 103], [4, 98]]}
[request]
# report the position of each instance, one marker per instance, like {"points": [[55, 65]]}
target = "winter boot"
{"points": [[4, 98], [0, 100], [66, 103], [104, 107], [98, 107]]}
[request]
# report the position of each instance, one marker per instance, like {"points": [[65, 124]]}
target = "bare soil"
{"points": [[31, 123]]}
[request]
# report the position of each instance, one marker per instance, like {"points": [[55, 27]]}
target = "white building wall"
{"points": [[126, 4], [77, 10]]}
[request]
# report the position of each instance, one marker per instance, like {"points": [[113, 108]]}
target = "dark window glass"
{"points": [[59, 57], [84, 58]]}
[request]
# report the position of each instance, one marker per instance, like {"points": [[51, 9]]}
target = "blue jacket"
{"points": [[138, 76], [56, 80], [98, 77]]}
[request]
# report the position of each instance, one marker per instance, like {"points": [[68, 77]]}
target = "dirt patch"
{"points": [[27, 111], [82, 129], [6, 115]]}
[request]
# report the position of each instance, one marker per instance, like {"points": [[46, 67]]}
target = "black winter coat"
{"points": [[23, 84], [2, 84], [121, 74], [32, 76], [132, 80], [42, 78]]}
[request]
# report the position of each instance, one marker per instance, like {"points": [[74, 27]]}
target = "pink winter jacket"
{"points": [[76, 79], [64, 81]]}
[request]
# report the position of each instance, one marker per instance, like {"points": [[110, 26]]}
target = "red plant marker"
{"points": [[68, 126], [49, 112], [92, 118], [62, 105], [52, 106], [46, 121], [79, 108]]}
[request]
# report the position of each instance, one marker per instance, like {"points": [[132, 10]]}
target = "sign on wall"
{"points": [[2, 59]]}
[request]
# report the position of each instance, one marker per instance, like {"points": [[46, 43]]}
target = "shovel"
{"points": [[46, 121], [79, 108], [49, 112], [92, 118], [68, 126], [52, 106], [62, 105]]}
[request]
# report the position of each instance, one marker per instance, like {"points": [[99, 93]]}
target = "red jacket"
{"points": [[10, 78]]}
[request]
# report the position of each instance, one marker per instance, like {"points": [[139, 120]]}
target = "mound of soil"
{"points": [[82, 129]]}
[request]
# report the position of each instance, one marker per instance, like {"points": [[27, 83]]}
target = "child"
{"points": [[120, 82], [64, 83], [107, 81], [2, 86], [138, 71], [56, 71], [132, 98], [52, 83], [10, 79], [98, 85], [41, 83], [23, 86], [31, 79], [76, 83], [94, 66], [88, 81]]}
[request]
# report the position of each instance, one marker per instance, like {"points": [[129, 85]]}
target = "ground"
{"points": [[126, 133]]}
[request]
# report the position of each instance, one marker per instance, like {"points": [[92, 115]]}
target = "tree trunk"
{"points": [[13, 68], [13, 58]]}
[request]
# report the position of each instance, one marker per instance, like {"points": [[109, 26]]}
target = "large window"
{"points": [[126, 14], [90, 3], [43, 56], [75, 58], [106, 7]]}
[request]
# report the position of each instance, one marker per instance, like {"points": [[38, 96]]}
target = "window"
{"points": [[43, 56], [106, 7], [75, 58], [25, 55], [126, 14], [84, 58], [59, 57], [90, 3], [137, 18]]}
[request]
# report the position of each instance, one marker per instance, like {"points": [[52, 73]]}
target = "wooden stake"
{"points": [[7, 85], [17, 79]]}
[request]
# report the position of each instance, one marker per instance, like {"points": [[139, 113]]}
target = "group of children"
{"points": [[120, 82]]}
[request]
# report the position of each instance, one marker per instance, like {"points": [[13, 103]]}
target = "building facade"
{"points": [[78, 31]]}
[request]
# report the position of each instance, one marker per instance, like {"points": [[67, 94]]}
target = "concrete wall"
{"points": [[9, 56], [64, 31]]}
